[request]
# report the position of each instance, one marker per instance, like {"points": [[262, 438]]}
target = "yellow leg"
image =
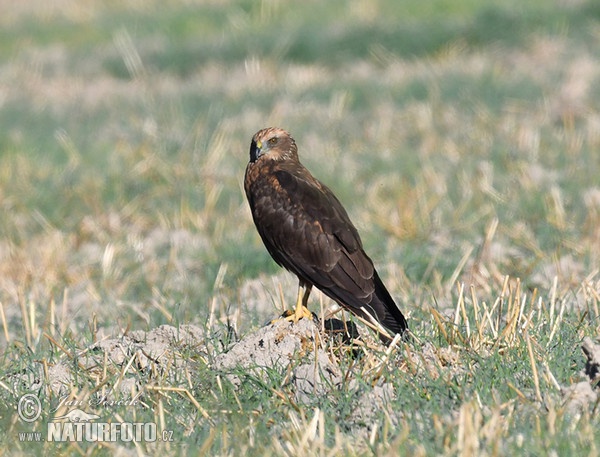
{"points": [[301, 310]]}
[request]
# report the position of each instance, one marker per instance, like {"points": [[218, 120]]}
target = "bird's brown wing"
{"points": [[307, 230]]}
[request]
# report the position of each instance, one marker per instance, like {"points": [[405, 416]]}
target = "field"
{"points": [[463, 138]]}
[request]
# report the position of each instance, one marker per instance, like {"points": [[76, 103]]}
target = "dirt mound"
{"points": [[287, 347]]}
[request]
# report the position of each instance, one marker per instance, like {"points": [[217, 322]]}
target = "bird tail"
{"points": [[386, 310]]}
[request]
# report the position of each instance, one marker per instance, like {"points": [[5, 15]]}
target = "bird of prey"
{"points": [[307, 231]]}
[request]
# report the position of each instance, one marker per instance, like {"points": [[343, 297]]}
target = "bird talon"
{"points": [[295, 315], [301, 312]]}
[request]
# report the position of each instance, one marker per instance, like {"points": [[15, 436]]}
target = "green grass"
{"points": [[461, 137]]}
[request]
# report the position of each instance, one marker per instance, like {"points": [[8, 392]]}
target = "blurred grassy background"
{"points": [[462, 136], [126, 128]]}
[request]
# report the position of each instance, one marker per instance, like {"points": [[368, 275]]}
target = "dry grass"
{"points": [[464, 150]]}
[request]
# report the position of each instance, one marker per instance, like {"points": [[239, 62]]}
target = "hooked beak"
{"points": [[255, 150]]}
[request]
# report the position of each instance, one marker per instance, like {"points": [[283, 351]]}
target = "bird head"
{"points": [[273, 144]]}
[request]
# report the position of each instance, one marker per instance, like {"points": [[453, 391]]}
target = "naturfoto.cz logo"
{"points": [[102, 431], [78, 425]]}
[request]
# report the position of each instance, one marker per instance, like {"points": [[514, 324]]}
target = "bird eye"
{"points": [[273, 141]]}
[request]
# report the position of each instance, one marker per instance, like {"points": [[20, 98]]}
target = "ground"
{"points": [[461, 136]]}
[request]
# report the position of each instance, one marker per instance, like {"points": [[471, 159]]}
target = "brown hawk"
{"points": [[306, 230]]}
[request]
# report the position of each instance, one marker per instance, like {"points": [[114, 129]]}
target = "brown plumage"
{"points": [[306, 230]]}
